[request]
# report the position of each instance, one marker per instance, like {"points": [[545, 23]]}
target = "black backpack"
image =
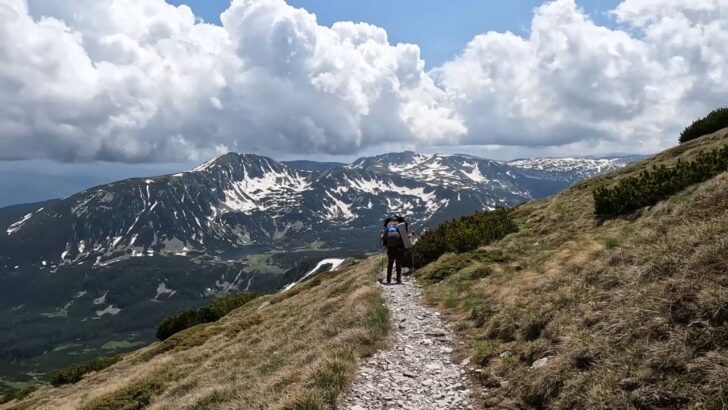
{"points": [[393, 237]]}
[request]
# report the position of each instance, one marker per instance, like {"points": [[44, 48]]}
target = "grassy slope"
{"points": [[298, 352], [631, 313]]}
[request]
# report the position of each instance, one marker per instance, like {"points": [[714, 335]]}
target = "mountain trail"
{"points": [[416, 370]]}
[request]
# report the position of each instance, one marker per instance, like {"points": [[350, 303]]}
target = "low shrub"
{"points": [[210, 313], [18, 394], [658, 183], [715, 121], [464, 234], [76, 372], [486, 349]]}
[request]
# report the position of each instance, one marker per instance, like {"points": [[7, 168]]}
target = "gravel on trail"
{"points": [[416, 370]]}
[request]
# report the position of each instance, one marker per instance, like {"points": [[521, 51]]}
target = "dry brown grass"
{"points": [[632, 312], [299, 352]]}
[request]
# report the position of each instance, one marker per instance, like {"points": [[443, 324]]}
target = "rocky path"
{"points": [[416, 370]]}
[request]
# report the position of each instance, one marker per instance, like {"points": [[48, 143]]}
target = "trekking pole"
{"points": [[414, 249], [381, 262], [413, 259]]}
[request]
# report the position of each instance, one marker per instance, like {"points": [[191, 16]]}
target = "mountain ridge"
{"points": [[250, 199]]}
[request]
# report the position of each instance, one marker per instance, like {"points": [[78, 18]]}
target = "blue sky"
{"points": [[440, 28]]}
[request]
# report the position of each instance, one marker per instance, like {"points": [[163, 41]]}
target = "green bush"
{"points": [[715, 121], [74, 373], [652, 186], [464, 235], [18, 394], [210, 313]]}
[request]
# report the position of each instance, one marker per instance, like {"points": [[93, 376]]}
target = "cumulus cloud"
{"points": [[142, 80], [574, 82]]}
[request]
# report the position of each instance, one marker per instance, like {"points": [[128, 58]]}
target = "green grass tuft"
{"points": [[310, 401], [611, 243], [377, 317]]}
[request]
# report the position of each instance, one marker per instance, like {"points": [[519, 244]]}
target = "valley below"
{"points": [[51, 319]]}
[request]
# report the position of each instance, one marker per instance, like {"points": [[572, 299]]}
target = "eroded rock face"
{"points": [[416, 370]]}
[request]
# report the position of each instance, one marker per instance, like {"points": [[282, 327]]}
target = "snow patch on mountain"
{"points": [[474, 174], [417, 160], [335, 263], [109, 310], [250, 194], [206, 165], [570, 164], [101, 299], [338, 209], [116, 241], [19, 224], [14, 227], [162, 289]]}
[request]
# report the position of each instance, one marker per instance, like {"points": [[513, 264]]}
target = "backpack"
{"points": [[393, 238]]}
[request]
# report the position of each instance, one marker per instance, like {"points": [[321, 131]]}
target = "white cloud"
{"points": [[572, 81], [142, 80], [138, 80]]}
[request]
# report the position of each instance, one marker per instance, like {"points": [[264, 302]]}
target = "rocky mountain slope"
{"points": [[95, 272]]}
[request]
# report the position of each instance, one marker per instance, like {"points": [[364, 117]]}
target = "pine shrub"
{"points": [[18, 394], [210, 313], [464, 234], [715, 121], [658, 183], [74, 373]]}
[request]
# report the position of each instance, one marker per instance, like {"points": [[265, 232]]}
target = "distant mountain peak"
{"points": [[235, 159], [242, 199]]}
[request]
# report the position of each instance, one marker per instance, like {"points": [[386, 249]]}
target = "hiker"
{"points": [[391, 238]]}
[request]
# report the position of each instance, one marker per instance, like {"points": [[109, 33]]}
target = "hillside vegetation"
{"points": [[464, 234], [658, 182], [715, 121], [292, 350], [574, 312], [215, 310]]}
